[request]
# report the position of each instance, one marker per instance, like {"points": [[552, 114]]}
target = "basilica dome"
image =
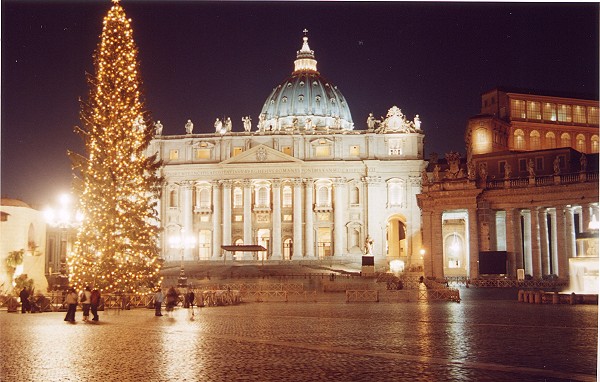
{"points": [[305, 101]]}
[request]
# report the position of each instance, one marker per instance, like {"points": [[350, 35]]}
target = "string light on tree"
{"points": [[117, 244]]}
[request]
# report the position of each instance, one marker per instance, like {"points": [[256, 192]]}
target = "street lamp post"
{"points": [[182, 242]]}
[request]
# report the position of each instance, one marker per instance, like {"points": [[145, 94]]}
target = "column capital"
{"points": [[226, 183], [371, 179], [276, 183], [309, 182], [338, 181], [297, 181], [186, 183]]}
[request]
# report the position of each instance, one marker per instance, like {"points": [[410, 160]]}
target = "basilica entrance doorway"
{"points": [[396, 238]]}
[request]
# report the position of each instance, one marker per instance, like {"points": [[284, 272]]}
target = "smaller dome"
{"points": [[305, 100]]}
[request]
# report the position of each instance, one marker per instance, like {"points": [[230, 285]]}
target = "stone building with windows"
{"points": [[527, 190], [303, 182]]}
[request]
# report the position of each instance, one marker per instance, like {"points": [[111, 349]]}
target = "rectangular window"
{"points": [[395, 147], [533, 110], [579, 114], [174, 154], [501, 165], [517, 109], [238, 218], [592, 115], [202, 153], [522, 165], [323, 151], [237, 151], [355, 150], [286, 150], [564, 113], [287, 218], [549, 112], [539, 163]]}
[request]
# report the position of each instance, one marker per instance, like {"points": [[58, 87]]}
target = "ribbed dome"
{"points": [[305, 100]]}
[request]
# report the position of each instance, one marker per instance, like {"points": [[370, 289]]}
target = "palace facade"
{"points": [[302, 182], [526, 191]]}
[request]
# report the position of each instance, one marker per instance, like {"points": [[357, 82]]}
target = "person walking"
{"points": [[94, 303], [190, 298], [71, 302], [172, 295], [158, 300], [85, 297], [24, 295]]}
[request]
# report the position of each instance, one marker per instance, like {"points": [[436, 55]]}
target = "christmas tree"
{"points": [[117, 184]]}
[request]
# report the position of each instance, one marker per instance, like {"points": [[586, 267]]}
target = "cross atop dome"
{"points": [[305, 58]]}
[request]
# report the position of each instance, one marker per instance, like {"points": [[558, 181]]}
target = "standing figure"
{"points": [[507, 171], [582, 163], [556, 165], [369, 246], [158, 300], [24, 295], [247, 123], [228, 124], [531, 168], [189, 126], [218, 126], [171, 299], [158, 128], [417, 122], [370, 122], [94, 303], [86, 296], [71, 302]]}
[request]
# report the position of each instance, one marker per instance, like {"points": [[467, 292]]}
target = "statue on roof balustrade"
{"points": [[189, 126], [218, 126], [158, 128]]}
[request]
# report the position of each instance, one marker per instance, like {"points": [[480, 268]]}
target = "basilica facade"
{"points": [[303, 182]]}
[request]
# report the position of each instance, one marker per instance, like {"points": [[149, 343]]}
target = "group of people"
{"points": [[89, 299], [172, 298]]}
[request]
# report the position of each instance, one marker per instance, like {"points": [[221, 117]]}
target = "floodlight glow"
{"points": [[397, 266]]}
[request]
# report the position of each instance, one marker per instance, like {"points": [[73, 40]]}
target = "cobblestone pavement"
{"points": [[476, 340]]}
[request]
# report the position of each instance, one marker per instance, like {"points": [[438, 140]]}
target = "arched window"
{"points": [[519, 139], [287, 196], [550, 140], [173, 198], [262, 197], [354, 195], [534, 140], [204, 198], [565, 140], [324, 196], [594, 143], [580, 143], [395, 193], [238, 197]]}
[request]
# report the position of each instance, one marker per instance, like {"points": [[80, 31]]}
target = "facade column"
{"points": [[526, 229], [226, 212], [217, 233], [544, 244], [473, 244], [511, 243], [562, 259], [276, 253], [187, 229], [437, 244], [536, 262], [374, 203], [570, 232], [586, 217], [339, 247], [309, 234], [248, 239], [297, 245]]}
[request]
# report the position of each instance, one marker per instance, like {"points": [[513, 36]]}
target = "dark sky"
{"points": [[203, 60]]}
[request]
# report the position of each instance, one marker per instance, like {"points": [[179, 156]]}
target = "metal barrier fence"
{"points": [[511, 283], [446, 294]]}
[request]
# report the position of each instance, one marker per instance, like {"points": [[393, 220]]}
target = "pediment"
{"points": [[262, 154]]}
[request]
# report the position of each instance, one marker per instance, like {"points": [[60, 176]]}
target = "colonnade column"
{"points": [[511, 241], [248, 216], [527, 247], [536, 264], [473, 244], [585, 217], [338, 217], [276, 219], [562, 259], [297, 245], [309, 235], [544, 245], [217, 233], [226, 212], [187, 229], [570, 232]]}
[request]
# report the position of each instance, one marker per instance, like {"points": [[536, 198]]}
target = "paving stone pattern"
{"points": [[476, 340]]}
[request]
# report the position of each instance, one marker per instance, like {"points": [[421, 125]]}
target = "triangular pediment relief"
{"points": [[262, 154]]}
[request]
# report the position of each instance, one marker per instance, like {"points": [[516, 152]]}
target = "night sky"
{"points": [[203, 60]]}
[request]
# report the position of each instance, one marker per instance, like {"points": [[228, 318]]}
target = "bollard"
{"points": [[572, 299], [538, 297], [555, 298], [520, 295]]}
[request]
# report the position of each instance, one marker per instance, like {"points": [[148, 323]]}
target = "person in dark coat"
{"points": [[24, 295], [71, 301], [94, 303]]}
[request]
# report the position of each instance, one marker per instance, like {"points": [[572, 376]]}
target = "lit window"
{"points": [[565, 140], [324, 196], [533, 110], [237, 197], [550, 140], [395, 147], [354, 150], [174, 154], [286, 150], [519, 138], [202, 153], [592, 115], [262, 197], [579, 114], [534, 140], [594, 143], [238, 218], [287, 218], [580, 143], [517, 109], [287, 196], [173, 198], [549, 112], [564, 113], [237, 151], [323, 150], [481, 141]]}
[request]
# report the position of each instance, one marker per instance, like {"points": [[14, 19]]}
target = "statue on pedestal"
{"points": [[189, 126], [369, 246], [158, 127]]}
